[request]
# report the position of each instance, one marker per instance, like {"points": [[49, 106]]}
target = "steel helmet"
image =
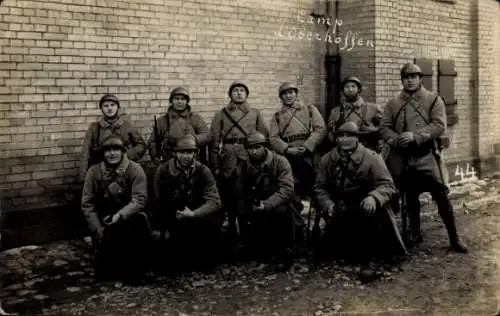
{"points": [[410, 69], [186, 142], [348, 127], [255, 138], [179, 91], [352, 79], [285, 86], [109, 97], [238, 83]]}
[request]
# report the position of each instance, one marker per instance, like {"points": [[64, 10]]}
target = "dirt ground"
{"points": [[56, 279]]}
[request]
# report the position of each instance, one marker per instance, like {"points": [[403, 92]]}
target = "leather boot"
{"points": [[3, 312], [449, 222], [416, 236]]}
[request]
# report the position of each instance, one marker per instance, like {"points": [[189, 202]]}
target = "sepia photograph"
{"points": [[250, 157]]}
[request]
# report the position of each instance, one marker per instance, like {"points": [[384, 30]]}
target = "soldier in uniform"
{"points": [[412, 125], [295, 132], [354, 108], [265, 193], [353, 188], [188, 214], [179, 120], [113, 198], [111, 123], [230, 127]]}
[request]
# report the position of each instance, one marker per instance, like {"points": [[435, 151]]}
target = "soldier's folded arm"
{"points": [[320, 193], [436, 126], [89, 199], [210, 194], [277, 144], [139, 193], [202, 133], [139, 146], [318, 131], [384, 184], [387, 126], [285, 180]]}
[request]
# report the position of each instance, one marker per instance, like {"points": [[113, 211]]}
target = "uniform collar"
{"points": [[415, 96], [297, 105], [243, 107], [354, 105], [173, 113], [117, 122]]}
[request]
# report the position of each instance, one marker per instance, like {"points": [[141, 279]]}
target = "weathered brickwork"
{"points": [[58, 58]]}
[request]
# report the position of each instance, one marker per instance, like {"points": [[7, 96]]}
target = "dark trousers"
{"points": [[227, 191], [193, 243], [125, 250], [413, 184], [353, 235], [267, 233], [304, 176]]}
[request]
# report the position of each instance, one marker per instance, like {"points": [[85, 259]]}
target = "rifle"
{"points": [[159, 153], [402, 193]]}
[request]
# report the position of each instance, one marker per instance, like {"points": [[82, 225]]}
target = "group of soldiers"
{"points": [[256, 176]]}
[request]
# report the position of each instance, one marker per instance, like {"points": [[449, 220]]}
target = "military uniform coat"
{"points": [[129, 198], [270, 182], [172, 126], [414, 112], [297, 125], [228, 141], [366, 175], [366, 115], [99, 131], [176, 188], [343, 183]]}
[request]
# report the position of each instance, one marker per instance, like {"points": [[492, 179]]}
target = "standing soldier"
{"points": [[113, 198], [230, 127], [179, 120], [265, 196], [353, 189], [188, 215], [412, 125], [366, 115], [295, 132], [111, 123]]}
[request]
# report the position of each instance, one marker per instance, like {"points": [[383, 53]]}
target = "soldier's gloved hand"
{"points": [[258, 207], [369, 204], [406, 138], [330, 211]]}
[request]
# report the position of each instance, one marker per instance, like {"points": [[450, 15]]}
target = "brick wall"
{"points": [[462, 31], [58, 58]]}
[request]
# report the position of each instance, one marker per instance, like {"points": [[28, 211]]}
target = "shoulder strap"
{"points": [[341, 119], [235, 123]]}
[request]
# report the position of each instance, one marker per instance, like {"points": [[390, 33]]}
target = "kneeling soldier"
{"points": [[265, 195], [353, 188], [113, 198], [188, 205]]}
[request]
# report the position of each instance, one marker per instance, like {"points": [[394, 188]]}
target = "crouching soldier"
{"points": [[113, 198], [265, 195], [111, 123], [353, 188], [187, 214]]}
